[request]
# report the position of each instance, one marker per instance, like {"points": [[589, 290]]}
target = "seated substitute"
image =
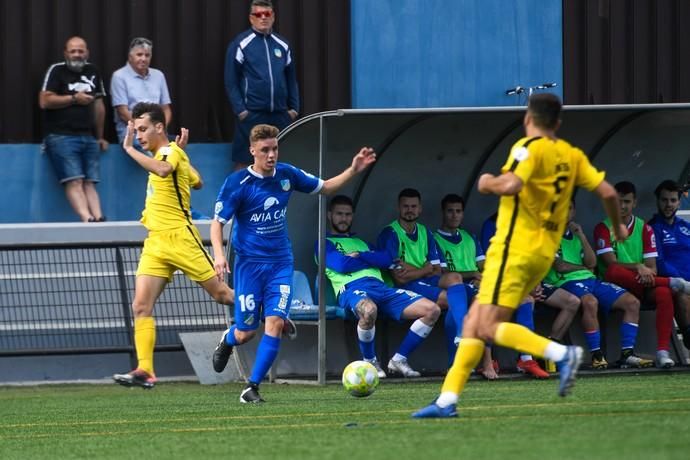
{"points": [[566, 303], [631, 264], [673, 247], [572, 270], [354, 270], [461, 253], [419, 266]]}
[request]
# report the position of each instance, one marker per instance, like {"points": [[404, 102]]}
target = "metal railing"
{"points": [[76, 298]]}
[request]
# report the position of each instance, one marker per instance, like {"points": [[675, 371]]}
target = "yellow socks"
{"points": [[469, 353], [520, 338], [144, 341]]}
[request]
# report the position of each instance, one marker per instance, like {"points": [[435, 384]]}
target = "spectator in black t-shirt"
{"points": [[72, 100]]}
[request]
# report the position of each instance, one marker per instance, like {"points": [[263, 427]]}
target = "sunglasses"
{"points": [[140, 41], [262, 14]]}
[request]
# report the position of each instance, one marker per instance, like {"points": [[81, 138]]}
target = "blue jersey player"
{"points": [[257, 198]]}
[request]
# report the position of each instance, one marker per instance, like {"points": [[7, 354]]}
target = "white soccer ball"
{"points": [[360, 378]]}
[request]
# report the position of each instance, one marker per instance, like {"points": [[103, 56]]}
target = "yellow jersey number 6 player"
{"points": [[535, 186], [173, 242]]}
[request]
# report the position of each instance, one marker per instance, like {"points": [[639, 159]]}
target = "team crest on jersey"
{"points": [[218, 208], [520, 153], [601, 244], [249, 320], [270, 201], [685, 231], [278, 53], [285, 184]]}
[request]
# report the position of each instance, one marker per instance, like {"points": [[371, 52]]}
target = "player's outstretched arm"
{"points": [[365, 157], [220, 263], [505, 184], [609, 199], [157, 167]]}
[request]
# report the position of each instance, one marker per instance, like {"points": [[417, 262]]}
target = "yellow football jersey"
{"points": [[168, 198], [533, 221]]}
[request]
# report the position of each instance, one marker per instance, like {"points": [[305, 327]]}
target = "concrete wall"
{"points": [[436, 53], [31, 192]]}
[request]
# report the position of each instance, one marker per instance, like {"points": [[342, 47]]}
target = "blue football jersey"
{"points": [[259, 206]]}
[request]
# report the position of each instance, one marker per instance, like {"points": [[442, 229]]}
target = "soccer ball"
{"points": [[360, 378]]}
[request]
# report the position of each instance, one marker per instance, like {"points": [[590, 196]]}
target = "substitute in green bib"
{"points": [[354, 270], [460, 252], [572, 271], [632, 264], [419, 269]]}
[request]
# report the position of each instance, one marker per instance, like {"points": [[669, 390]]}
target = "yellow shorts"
{"points": [[179, 249], [507, 280]]}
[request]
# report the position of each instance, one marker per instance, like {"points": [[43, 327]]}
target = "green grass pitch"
{"points": [[624, 416]]}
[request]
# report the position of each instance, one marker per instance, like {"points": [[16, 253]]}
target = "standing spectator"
{"points": [[673, 247], [137, 82], [72, 100], [260, 80]]}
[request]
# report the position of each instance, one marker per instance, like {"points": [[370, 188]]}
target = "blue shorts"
{"points": [[261, 290], [240, 141], [389, 301], [427, 287], [547, 290], [606, 293], [73, 157], [471, 290]]}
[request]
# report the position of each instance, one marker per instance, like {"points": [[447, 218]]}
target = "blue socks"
{"points": [[524, 315], [457, 305], [417, 333], [230, 337], [593, 339], [450, 329], [265, 355], [365, 339], [628, 335]]}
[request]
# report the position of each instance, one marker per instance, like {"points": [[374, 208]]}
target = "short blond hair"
{"points": [[262, 132]]}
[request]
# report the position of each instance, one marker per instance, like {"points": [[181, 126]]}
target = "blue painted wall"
{"points": [[31, 192], [440, 53]]}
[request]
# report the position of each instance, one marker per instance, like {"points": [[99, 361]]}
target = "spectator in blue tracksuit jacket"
{"points": [[260, 80], [673, 247]]}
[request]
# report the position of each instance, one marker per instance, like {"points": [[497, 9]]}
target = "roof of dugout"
{"points": [[441, 151]]}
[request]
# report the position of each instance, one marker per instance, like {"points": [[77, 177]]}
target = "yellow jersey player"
{"points": [[173, 242], [535, 186]]}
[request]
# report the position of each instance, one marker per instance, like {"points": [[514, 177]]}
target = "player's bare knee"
{"points": [[450, 279], [590, 306], [432, 312], [572, 303], [244, 336], [486, 332], [224, 295], [141, 309], [367, 312]]}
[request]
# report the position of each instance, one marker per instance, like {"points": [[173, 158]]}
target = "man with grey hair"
{"points": [[260, 80], [137, 82]]}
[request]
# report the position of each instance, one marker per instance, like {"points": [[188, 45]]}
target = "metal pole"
{"points": [[321, 374]]}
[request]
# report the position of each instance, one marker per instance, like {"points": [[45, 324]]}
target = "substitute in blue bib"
{"points": [[257, 198]]}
